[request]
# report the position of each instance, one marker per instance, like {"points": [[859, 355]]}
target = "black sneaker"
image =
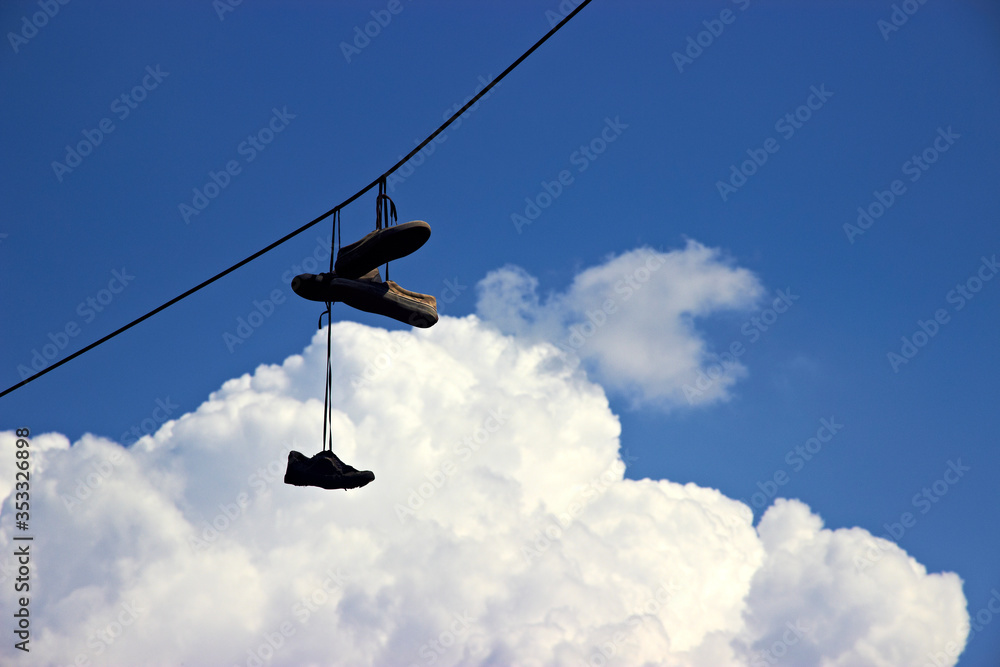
{"points": [[379, 247], [324, 470]]}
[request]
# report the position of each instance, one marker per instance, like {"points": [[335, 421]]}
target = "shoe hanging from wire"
{"points": [[355, 278], [325, 469]]}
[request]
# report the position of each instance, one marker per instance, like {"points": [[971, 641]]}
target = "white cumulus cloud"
{"points": [[500, 529], [632, 320]]}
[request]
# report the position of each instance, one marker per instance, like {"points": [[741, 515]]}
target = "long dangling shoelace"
{"points": [[328, 393]]}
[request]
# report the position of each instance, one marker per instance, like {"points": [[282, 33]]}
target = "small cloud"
{"points": [[632, 320]]}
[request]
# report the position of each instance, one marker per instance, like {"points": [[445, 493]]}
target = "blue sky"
{"points": [[113, 228]]}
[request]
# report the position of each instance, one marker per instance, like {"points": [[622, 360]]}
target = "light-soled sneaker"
{"points": [[379, 247]]}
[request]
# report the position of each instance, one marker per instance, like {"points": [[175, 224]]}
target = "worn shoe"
{"points": [[324, 470], [379, 247], [371, 295]]}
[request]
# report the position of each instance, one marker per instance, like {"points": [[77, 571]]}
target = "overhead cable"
{"points": [[475, 99]]}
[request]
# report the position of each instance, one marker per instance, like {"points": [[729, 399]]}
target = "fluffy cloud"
{"points": [[632, 320], [499, 530]]}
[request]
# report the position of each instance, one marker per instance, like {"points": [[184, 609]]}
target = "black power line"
{"points": [[309, 224]]}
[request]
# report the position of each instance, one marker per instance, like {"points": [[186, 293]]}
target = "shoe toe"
{"points": [[306, 285]]}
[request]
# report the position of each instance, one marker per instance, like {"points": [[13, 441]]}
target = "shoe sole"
{"points": [[371, 297], [380, 247]]}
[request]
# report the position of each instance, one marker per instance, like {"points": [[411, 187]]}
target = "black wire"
{"points": [[309, 224]]}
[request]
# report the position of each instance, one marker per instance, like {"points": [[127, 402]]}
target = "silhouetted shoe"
{"points": [[371, 295], [379, 247], [330, 287], [324, 470]]}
